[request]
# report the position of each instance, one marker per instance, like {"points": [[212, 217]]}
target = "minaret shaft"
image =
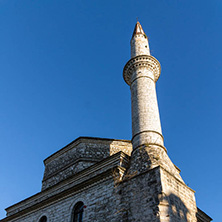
{"points": [[146, 127]]}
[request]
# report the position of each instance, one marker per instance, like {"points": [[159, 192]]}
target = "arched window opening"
{"points": [[43, 219], [78, 212]]}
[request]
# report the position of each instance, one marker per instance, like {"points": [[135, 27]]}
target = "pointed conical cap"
{"points": [[138, 29], [139, 42]]}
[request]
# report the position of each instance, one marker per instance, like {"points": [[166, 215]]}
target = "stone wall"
{"points": [[139, 197], [99, 200]]}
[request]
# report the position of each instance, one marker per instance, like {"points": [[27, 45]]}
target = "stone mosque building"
{"points": [[108, 180]]}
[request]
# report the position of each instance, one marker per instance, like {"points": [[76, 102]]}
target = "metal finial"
{"points": [[137, 19]]}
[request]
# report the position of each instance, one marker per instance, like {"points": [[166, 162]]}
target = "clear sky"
{"points": [[61, 65]]}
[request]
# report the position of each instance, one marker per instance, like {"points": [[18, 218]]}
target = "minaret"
{"points": [[156, 182], [141, 72]]}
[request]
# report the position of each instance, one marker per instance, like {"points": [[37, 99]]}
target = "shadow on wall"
{"points": [[145, 204], [177, 208]]}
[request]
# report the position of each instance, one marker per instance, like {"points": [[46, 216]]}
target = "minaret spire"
{"points": [[139, 42], [138, 29]]}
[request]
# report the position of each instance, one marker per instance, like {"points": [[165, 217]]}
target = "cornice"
{"points": [[78, 141], [141, 61], [202, 215], [81, 159]]}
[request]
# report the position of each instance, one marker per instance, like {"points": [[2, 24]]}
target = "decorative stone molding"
{"points": [[79, 155], [143, 61]]}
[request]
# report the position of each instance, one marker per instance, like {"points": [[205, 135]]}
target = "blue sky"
{"points": [[61, 65]]}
